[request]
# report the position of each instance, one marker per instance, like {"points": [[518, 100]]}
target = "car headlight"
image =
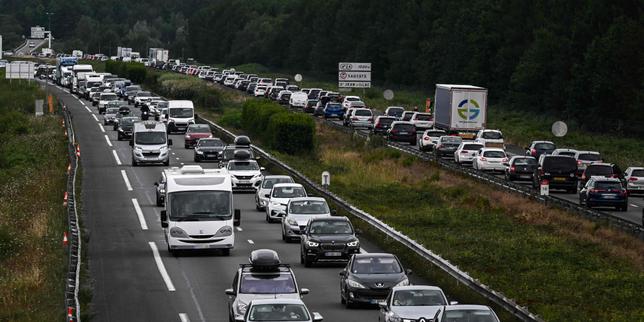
{"points": [[241, 308], [138, 150], [275, 204], [120, 129], [404, 282], [312, 244], [393, 317], [291, 222], [177, 232], [354, 243], [163, 149], [354, 284], [224, 231], [198, 152]]}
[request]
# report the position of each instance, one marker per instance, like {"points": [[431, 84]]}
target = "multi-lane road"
{"points": [[134, 278]]}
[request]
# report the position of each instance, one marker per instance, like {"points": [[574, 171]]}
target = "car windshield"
{"points": [[270, 182], [376, 265], [308, 207], [180, 112], [608, 185], [435, 133], [494, 154], [363, 113], [469, 316], [385, 120], [589, 157], [133, 88], [599, 170], [328, 227], [472, 147], [211, 143], [243, 165], [568, 153], [418, 298], [278, 312], [544, 146], [288, 192], [140, 94], [353, 99], [109, 97], [199, 128], [638, 173], [492, 135], [112, 110], [200, 205], [405, 127], [451, 139], [423, 117], [395, 112], [149, 138], [334, 106], [127, 121], [559, 163], [525, 161], [267, 284]]}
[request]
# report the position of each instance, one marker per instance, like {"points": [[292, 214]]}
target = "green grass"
{"points": [[33, 162]]}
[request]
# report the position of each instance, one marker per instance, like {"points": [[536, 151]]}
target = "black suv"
{"points": [[560, 172], [328, 239], [607, 170], [209, 149]]}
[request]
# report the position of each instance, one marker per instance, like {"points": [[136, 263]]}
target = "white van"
{"points": [[150, 143], [180, 115], [198, 209], [230, 80]]}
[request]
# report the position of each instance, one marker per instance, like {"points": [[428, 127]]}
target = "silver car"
{"points": [[634, 177], [412, 303], [298, 213], [264, 186], [466, 313], [278, 310], [110, 115]]}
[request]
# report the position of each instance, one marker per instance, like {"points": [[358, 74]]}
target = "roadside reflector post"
{"points": [[545, 188], [326, 179]]}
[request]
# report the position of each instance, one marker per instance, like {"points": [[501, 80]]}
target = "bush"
{"points": [[291, 133], [135, 72], [256, 115]]}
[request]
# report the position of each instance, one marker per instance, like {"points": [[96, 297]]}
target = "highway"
{"points": [[134, 277]]}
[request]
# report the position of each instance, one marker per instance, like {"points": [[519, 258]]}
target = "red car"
{"points": [[196, 132]]}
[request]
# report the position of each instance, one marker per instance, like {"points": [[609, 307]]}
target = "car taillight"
{"points": [[504, 160], [623, 192], [426, 138], [513, 169], [541, 172], [354, 118], [483, 159], [533, 152], [583, 176], [632, 179], [464, 152], [578, 162]]}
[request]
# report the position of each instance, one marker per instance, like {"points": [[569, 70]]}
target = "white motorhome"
{"points": [[180, 115], [198, 209], [78, 74], [150, 143]]}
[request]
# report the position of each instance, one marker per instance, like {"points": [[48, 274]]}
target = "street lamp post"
{"points": [[49, 14]]}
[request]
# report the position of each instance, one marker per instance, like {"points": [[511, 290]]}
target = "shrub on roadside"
{"points": [[291, 133]]}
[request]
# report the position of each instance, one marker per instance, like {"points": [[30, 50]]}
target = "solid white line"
{"points": [[116, 157], [634, 205], [66, 91], [127, 181], [95, 118], [162, 271], [87, 108], [101, 126], [363, 251], [239, 229], [251, 242], [184, 317], [139, 213], [108, 140]]}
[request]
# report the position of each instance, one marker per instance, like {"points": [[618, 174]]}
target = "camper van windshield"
{"points": [[182, 112], [150, 138], [200, 205]]}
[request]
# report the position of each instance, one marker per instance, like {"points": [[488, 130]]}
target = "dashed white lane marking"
{"points": [[139, 213], [239, 229], [362, 250], [116, 157], [177, 158], [107, 139], [87, 108], [184, 317], [95, 118], [66, 91], [161, 267], [251, 242], [127, 180], [101, 126], [634, 205]]}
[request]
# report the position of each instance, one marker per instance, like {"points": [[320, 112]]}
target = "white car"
{"points": [[298, 213], [466, 152], [244, 174], [278, 199], [260, 90], [429, 139], [346, 102], [361, 117], [584, 158], [264, 187], [634, 177], [280, 309], [422, 121], [299, 99], [464, 312], [566, 152], [105, 98], [282, 92], [491, 159], [412, 303], [490, 138]]}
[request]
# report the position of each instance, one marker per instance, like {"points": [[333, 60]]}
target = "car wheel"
{"points": [[195, 159], [159, 204], [342, 300], [268, 219], [284, 236], [166, 162], [134, 163], [307, 262], [412, 143], [225, 252], [507, 177]]}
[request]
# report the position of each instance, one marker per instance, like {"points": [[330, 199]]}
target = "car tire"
{"points": [[268, 219], [166, 162], [342, 300], [158, 202], [284, 236], [134, 163], [307, 262], [412, 143], [508, 178], [195, 159], [225, 251]]}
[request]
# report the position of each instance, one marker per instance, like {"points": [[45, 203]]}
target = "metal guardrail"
{"points": [[72, 305], [451, 269]]}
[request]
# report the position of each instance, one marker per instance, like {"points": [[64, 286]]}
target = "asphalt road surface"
{"points": [[134, 277]]}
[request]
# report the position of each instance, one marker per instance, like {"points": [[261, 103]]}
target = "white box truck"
{"points": [[460, 109]]}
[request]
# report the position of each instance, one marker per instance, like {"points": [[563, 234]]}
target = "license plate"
{"points": [[211, 155], [201, 246], [609, 196], [333, 254], [560, 179], [525, 176], [403, 133]]}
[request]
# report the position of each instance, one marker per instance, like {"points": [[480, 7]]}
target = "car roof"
{"points": [[279, 185], [601, 164], [522, 157], [275, 176], [276, 301], [416, 287], [402, 122], [332, 218], [605, 179], [307, 199], [466, 307], [537, 142], [368, 255], [492, 149], [588, 152], [634, 168]]}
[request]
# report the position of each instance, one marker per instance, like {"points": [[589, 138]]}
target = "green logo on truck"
{"points": [[468, 111]]}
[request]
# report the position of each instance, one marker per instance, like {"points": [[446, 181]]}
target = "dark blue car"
{"points": [[604, 192], [333, 110]]}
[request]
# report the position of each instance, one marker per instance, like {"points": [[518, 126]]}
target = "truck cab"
{"points": [[198, 212], [180, 115], [150, 143]]}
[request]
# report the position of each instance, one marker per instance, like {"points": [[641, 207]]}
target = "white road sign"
{"points": [[20, 70], [354, 76], [355, 67], [354, 84]]}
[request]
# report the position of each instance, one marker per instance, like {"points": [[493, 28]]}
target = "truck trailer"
{"points": [[460, 109]]}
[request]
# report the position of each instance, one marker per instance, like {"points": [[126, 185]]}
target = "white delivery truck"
{"points": [[198, 209], [78, 74], [150, 143], [181, 113], [460, 109]]}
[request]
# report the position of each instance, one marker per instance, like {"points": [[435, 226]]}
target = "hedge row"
{"points": [[279, 129], [135, 72], [182, 87]]}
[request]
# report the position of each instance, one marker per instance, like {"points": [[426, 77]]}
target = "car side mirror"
{"points": [[408, 272], [164, 219], [258, 183], [317, 317], [268, 195], [262, 169], [131, 142], [358, 232], [156, 184], [342, 273], [453, 302], [383, 305], [237, 218], [304, 291], [169, 142], [229, 292], [334, 212]]}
